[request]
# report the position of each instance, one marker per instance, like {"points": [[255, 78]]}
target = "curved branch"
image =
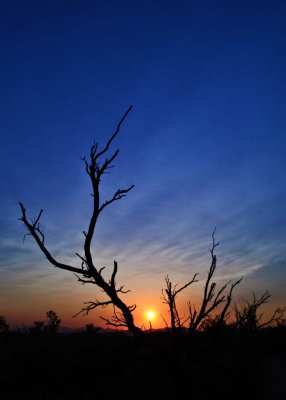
{"points": [[35, 230], [94, 171], [114, 134], [91, 305], [117, 196]]}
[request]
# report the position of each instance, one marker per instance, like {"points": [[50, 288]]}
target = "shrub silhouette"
{"points": [[4, 326], [210, 302], [247, 317], [53, 323], [91, 329], [213, 299], [37, 328]]}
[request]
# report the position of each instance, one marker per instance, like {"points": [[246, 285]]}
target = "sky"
{"points": [[204, 146]]}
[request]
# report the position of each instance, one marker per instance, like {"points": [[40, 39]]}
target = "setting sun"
{"points": [[150, 314]]}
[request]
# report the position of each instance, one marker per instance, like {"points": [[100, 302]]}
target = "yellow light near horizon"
{"points": [[150, 314]]}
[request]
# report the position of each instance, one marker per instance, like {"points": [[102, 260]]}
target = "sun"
{"points": [[150, 314]]}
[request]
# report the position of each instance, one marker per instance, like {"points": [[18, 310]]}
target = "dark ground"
{"points": [[224, 365]]}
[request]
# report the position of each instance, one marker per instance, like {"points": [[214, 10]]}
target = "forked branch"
{"points": [[247, 316], [211, 300], [88, 273], [117, 319], [169, 297], [34, 229]]}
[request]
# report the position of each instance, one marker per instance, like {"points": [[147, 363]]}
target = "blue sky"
{"points": [[204, 144]]}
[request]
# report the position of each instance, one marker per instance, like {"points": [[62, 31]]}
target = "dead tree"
{"points": [[247, 317], [211, 300], [97, 165], [169, 297]]}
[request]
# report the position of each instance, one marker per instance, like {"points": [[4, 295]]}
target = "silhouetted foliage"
{"points": [[53, 323], [4, 326], [61, 366], [37, 328], [233, 352], [91, 329], [97, 165]]}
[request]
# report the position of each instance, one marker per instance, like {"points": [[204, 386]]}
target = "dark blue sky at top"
{"points": [[204, 144]]}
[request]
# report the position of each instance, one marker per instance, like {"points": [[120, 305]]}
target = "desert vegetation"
{"points": [[98, 164], [217, 349], [95, 363]]}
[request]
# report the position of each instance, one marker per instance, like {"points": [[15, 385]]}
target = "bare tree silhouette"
{"points": [[95, 167], [169, 297], [211, 300], [246, 317]]}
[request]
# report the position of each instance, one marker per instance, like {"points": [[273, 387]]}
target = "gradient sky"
{"points": [[204, 145]]}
